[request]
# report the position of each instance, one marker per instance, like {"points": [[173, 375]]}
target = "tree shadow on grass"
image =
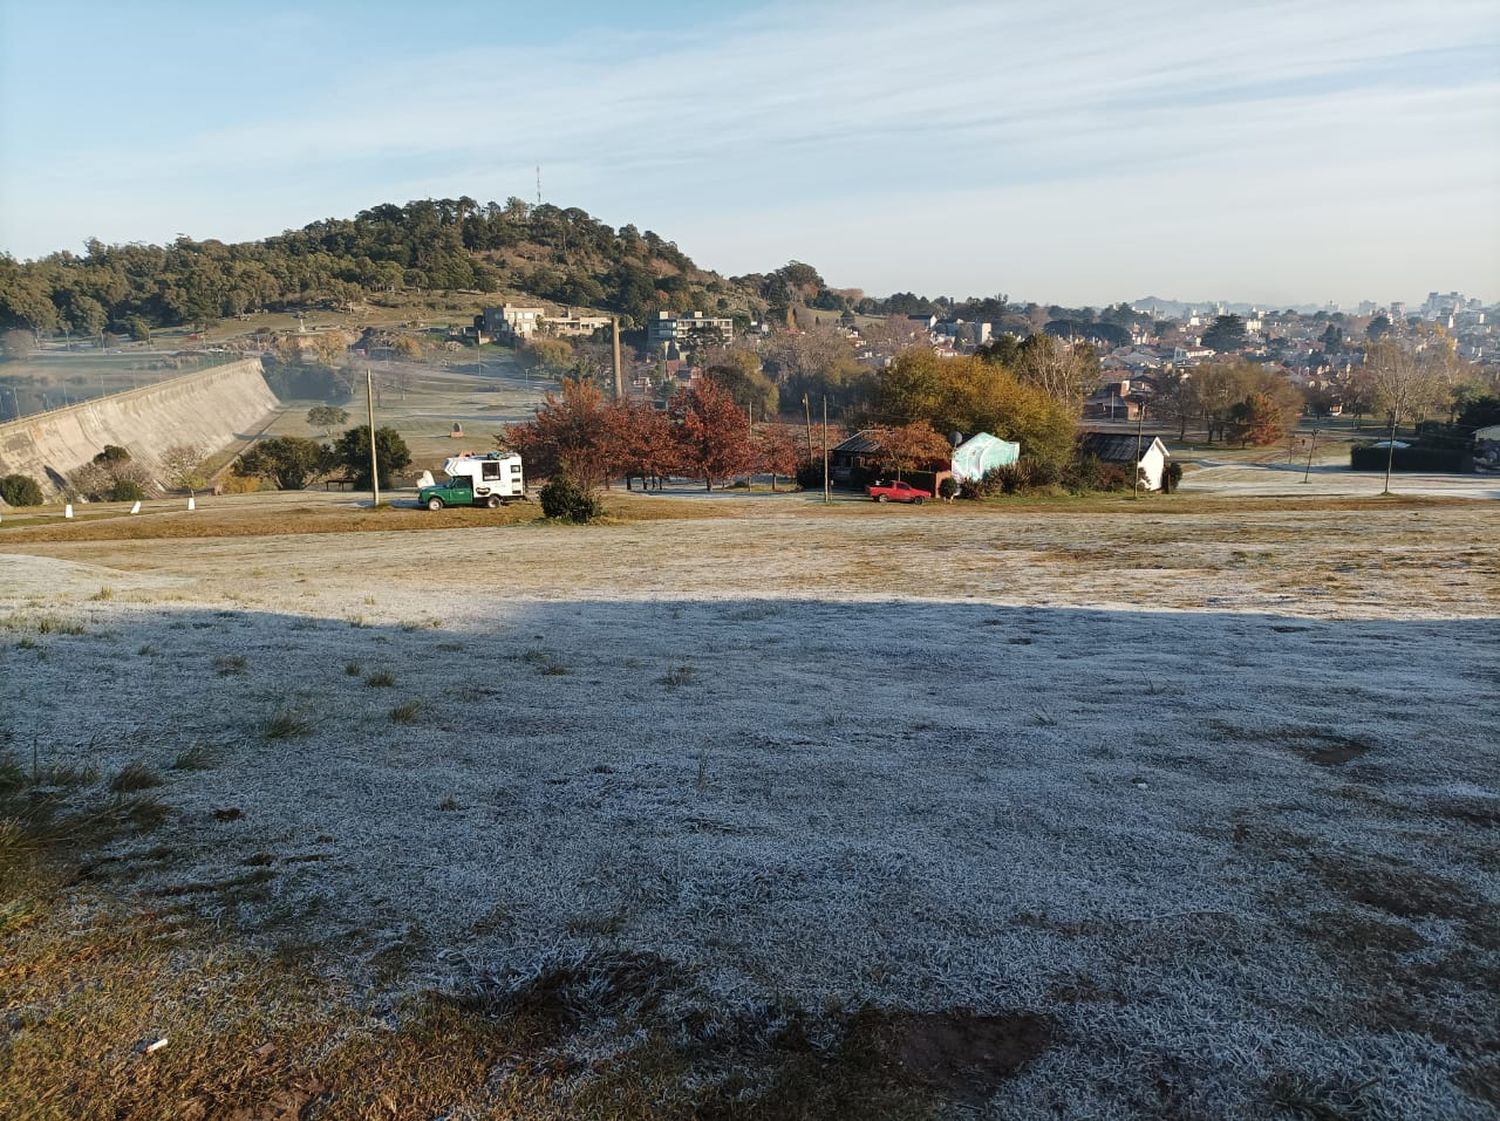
{"points": [[1148, 829]]}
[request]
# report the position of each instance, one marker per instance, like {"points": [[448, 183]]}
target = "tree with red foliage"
{"points": [[567, 434], [912, 447], [640, 441], [1256, 420], [712, 437], [778, 450]]}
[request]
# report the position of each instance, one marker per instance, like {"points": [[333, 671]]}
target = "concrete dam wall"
{"points": [[210, 408]]}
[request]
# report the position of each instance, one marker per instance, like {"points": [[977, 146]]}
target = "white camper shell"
{"points": [[489, 475]]}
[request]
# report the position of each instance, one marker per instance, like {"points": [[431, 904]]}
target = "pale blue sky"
{"points": [[1068, 152]]}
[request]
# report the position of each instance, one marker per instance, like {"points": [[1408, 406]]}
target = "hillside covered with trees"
{"points": [[560, 255], [514, 249]]}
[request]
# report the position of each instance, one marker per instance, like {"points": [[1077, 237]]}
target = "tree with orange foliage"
{"points": [[912, 447], [640, 442], [1256, 420], [568, 434], [712, 437], [778, 450]]}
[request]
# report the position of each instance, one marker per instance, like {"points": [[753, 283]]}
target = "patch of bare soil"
{"points": [[958, 1052], [1334, 751], [1397, 889], [1325, 749]]}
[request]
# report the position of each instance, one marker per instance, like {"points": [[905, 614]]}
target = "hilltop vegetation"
{"points": [[565, 256], [515, 250]]}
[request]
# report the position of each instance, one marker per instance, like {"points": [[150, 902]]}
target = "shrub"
{"points": [[1082, 475], [1172, 477], [1113, 477], [564, 500], [113, 453], [986, 486], [126, 490], [92, 481], [20, 490], [1012, 477], [1418, 457], [948, 488]]}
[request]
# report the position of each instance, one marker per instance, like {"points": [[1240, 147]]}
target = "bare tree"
{"points": [[1405, 383], [183, 466], [1053, 367]]}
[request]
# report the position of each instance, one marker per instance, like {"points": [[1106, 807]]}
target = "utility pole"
{"points": [[1140, 419], [614, 326], [807, 412], [827, 494], [1390, 451], [370, 411], [1310, 448]]}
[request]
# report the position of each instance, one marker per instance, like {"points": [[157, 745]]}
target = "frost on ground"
{"points": [[1115, 861]]}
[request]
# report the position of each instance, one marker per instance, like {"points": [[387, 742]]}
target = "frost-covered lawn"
{"points": [[1046, 815]]}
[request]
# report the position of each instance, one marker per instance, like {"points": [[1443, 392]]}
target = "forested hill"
{"points": [[562, 256]]}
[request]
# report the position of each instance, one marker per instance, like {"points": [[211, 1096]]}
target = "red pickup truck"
{"points": [[898, 492]]}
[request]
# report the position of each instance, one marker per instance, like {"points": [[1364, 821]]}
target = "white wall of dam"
{"points": [[211, 408]]}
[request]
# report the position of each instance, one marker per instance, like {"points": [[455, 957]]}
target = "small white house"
{"points": [[1119, 448]]}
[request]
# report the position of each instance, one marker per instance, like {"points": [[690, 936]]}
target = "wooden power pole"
{"points": [[370, 413], [827, 493], [1140, 419], [807, 412]]}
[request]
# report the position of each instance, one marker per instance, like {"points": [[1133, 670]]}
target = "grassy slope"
{"points": [[1318, 893]]}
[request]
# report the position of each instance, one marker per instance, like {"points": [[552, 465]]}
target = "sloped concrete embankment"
{"points": [[210, 408]]}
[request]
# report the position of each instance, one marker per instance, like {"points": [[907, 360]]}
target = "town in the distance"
{"points": [[448, 296]]}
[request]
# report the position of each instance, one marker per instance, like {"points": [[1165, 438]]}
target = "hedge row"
{"points": [[1418, 457]]}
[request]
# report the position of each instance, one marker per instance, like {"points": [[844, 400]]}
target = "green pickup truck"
{"points": [[455, 492]]}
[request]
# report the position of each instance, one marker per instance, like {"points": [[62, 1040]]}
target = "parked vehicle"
{"points": [[898, 492], [491, 479]]}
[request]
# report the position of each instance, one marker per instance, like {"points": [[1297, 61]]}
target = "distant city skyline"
{"points": [[1282, 154]]}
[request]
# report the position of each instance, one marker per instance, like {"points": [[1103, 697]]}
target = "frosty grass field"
{"points": [[1187, 814]]}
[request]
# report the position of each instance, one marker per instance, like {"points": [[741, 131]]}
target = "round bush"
{"points": [[127, 490], [564, 500], [20, 490]]}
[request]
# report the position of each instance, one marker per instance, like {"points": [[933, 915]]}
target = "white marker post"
{"points": [[192, 505], [68, 510], [136, 508]]}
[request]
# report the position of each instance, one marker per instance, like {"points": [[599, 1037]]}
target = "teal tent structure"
{"points": [[980, 453]]}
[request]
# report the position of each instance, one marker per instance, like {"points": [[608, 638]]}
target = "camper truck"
{"points": [[489, 479]]}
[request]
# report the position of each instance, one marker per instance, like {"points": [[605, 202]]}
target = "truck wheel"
{"points": [[493, 502], [882, 498], [918, 501], [434, 503]]}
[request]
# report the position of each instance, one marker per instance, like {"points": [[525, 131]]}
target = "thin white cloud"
{"points": [[831, 111]]}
